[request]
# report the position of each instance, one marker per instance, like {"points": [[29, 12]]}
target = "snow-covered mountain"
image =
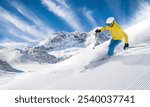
{"points": [[57, 47], [125, 70], [63, 40]]}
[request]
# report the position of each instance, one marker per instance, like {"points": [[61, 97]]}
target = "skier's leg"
{"points": [[111, 48], [113, 44]]}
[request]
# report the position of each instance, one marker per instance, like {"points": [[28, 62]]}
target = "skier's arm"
{"points": [[125, 37], [126, 41], [104, 28]]}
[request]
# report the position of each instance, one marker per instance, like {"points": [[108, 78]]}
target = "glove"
{"points": [[126, 46], [97, 30]]}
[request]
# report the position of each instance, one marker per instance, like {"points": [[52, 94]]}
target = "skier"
{"points": [[117, 35]]}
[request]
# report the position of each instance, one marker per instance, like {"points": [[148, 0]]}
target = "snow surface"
{"points": [[125, 70]]}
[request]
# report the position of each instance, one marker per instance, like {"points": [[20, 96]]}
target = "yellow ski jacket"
{"points": [[116, 32]]}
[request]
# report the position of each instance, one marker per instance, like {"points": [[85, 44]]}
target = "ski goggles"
{"points": [[110, 24]]}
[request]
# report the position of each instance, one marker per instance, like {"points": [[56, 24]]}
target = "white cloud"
{"points": [[10, 29], [12, 44], [62, 10], [20, 35], [142, 14], [89, 16], [62, 2], [20, 24], [30, 15]]}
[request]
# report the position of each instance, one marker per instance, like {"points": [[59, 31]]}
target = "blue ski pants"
{"points": [[113, 44]]}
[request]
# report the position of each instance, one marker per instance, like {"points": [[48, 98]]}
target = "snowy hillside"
{"points": [[125, 70], [5, 67]]}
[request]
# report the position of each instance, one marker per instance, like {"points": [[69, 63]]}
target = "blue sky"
{"points": [[31, 20]]}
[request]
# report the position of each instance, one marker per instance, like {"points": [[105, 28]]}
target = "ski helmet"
{"points": [[110, 20]]}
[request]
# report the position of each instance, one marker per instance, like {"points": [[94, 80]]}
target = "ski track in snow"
{"points": [[141, 83]]}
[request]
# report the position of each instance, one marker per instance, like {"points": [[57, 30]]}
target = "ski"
{"points": [[95, 63]]}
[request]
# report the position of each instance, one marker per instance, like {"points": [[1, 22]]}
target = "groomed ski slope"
{"points": [[128, 69]]}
